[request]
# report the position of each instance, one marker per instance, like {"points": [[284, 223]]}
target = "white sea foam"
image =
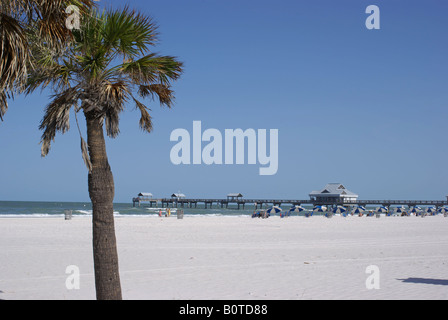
{"points": [[32, 215], [83, 211], [87, 212]]}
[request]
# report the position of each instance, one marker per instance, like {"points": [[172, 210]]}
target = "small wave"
{"points": [[89, 211], [31, 215], [83, 211]]}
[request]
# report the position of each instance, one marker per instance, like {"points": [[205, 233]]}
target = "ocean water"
{"points": [[15, 209]]}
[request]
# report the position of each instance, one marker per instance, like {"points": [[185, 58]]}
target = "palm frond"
{"points": [[145, 119], [3, 104], [115, 95], [103, 88], [57, 117], [129, 32], [13, 59], [85, 155], [163, 92], [152, 68], [58, 77], [48, 18]]}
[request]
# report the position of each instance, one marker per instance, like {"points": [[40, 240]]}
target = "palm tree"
{"points": [[107, 65], [16, 16]]}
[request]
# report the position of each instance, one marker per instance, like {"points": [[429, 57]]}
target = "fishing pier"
{"points": [[264, 203], [332, 195]]}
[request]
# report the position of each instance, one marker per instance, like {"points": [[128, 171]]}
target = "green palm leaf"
{"points": [[105, 86], [47, 18]]}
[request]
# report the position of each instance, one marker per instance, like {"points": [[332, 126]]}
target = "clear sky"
{"points": [[366, 108]]}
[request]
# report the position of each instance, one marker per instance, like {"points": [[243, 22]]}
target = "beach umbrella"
{"points": [[443, 210], [340, 209], [415, 210], [358, 210], [319, 209], [400, 210], [382, 209], [430, 210], [296, 208], [274, 210]]}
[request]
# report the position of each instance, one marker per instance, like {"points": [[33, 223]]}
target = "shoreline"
{"points": [[234, 258]]}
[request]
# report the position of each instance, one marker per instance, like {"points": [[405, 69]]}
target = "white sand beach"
{"points": [[224, 257]]}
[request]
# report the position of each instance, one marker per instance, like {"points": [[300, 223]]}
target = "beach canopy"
{"points": [[415, 210], [273, 210], [145, 194], [443, 210], [358, 210], [234, 196], [340, 209], [430, 210], [382, 209], [400, 209], [319, 209], [296, 208]]}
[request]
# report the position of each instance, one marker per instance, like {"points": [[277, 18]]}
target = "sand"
{"points": [[224, 257]]}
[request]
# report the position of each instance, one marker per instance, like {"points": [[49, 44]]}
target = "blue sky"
{"points": [[366, 108]]}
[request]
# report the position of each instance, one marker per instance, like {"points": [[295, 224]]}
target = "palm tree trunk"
{"points": [[101, 192]]}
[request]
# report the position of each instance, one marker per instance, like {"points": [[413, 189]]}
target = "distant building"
{"points": [[333, 192], [234, 196], [145, 195], [178, 196]]}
